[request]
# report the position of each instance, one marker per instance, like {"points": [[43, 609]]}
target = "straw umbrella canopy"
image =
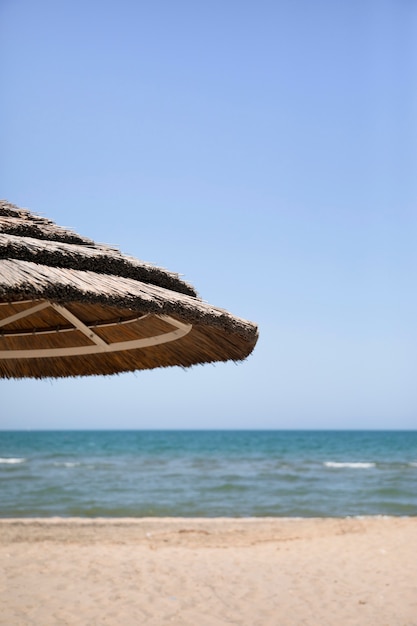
{"points": [[73, 307]]}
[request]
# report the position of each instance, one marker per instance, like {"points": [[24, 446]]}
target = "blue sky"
{"points": [[266, 151]]}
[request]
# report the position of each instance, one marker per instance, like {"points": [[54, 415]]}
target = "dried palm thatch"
{"points": [[72, 307]]}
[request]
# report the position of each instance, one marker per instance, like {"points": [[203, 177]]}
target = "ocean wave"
{"points": [[11, 461], [69, 464], [334, 464]]}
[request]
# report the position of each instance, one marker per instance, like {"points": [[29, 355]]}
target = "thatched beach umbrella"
{"points": [[72, 307]]}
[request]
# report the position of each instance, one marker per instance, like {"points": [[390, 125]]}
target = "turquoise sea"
{"points": [[207, 473]]}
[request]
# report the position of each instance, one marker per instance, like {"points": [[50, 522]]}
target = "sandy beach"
{"points": [[209, 572]]}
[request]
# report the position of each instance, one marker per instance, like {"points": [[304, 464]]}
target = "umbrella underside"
{"points": [[44, 338], [46, 329]]}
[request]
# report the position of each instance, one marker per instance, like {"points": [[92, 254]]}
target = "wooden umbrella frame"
{"points": [[98, 344]]}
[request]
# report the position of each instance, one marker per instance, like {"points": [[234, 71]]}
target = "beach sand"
{"points": [[209, 572]]}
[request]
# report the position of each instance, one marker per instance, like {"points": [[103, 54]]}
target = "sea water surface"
{"points": [[208, 473]]}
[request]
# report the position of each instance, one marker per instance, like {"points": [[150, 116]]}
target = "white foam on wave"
{"points": [[11, 461], [349, 465]]}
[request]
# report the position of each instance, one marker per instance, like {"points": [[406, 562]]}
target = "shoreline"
{"points": [[357, 571], [202, 531]]}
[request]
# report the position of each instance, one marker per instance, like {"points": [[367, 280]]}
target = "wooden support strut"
{"points": [[98, 344]]}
